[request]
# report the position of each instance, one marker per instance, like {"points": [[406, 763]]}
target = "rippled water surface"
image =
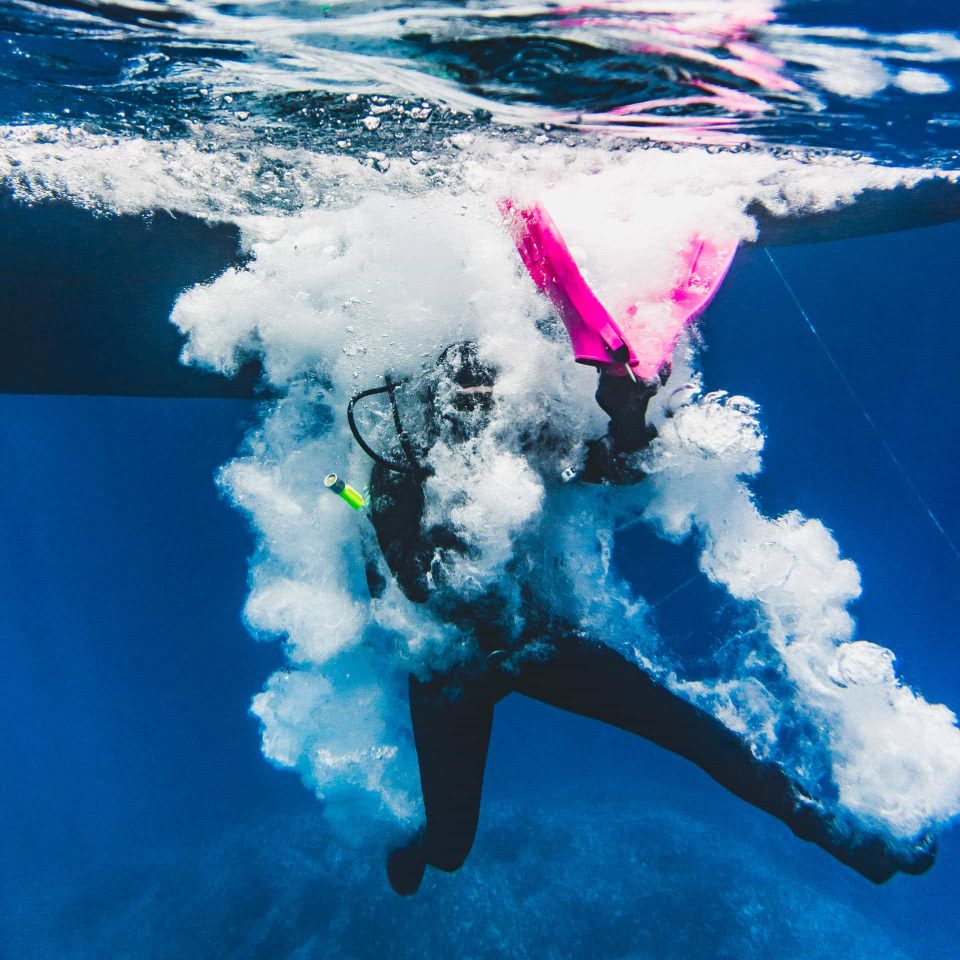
{"points": [[715, 71]]}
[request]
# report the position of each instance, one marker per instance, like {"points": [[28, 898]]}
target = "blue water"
{"points": [[138, 817]]}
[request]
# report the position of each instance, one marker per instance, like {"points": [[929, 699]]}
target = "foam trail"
{"points": [[835, 715], [893, 758]]}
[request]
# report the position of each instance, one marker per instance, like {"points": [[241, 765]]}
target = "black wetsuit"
{"points": [[452, 713]]}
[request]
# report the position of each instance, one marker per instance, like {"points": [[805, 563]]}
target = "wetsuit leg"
{"points": [[591, 679], [452, 733]]}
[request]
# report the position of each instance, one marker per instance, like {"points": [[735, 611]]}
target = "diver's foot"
{"points": [[405, 867], [874, 856]]}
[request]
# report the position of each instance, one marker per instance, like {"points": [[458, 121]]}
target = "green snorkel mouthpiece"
{"points": [[344, 491]]}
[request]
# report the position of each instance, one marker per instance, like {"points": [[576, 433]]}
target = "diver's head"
{"points": [[461, 392]]}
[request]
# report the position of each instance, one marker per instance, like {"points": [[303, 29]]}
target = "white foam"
{"points": [[488, 495], [346, 736], [895, 757], [922, 81], [222, 173]]}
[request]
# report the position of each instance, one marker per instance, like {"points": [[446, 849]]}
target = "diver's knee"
{"points": [[873, 855], [448, 863]]}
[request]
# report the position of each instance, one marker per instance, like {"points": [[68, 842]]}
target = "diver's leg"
{"points": [[591, 679], [452, 734], [451, 729]]}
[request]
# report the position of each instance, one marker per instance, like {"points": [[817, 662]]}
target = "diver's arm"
{"points": [[610, 459]]}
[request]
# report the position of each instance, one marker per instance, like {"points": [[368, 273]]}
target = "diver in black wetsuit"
{"points": [[545, 657]]}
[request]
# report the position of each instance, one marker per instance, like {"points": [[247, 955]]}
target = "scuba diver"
{"points": [[539, 654]]}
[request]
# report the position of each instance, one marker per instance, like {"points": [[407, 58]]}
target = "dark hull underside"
{"points": [[76, 320]]}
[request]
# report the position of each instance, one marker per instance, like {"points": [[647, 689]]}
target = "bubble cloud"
{"points": [[360, 273], [333, 299]]}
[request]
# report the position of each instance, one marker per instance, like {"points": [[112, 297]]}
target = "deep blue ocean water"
{"points": [[138, 816]]}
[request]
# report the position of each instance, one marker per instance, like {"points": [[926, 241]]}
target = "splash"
{"points": [[332, 299], [894, 758], [355, 270]]}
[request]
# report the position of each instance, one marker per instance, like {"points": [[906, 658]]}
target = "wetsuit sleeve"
{"points": [[609, 459]]}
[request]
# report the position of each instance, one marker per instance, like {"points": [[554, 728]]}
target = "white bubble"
{"points": [[921, 81]]}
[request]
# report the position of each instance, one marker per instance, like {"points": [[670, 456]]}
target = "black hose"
{"points": [[401, 433], [413, 468]]}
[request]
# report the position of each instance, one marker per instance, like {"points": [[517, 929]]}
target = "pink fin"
{"points": [[594, 334]]}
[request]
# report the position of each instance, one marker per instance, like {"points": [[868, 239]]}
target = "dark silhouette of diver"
{"points": [[548, 658]]}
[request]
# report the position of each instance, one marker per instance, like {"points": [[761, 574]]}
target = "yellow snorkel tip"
{"points": [[344, 491]]}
